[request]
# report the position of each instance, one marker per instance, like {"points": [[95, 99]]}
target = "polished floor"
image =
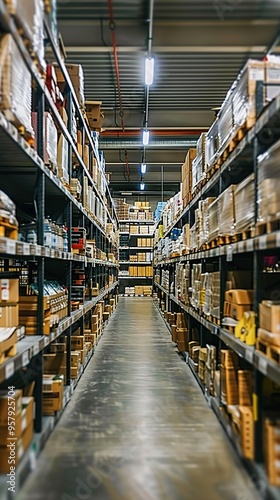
{"points": [[138, 426]]}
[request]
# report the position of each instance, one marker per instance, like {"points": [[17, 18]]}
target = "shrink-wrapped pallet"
{"points": [[29, 17], [245, 205], [244, 93], [227, 212], [193, 237], [212, 145], [226, 122], [15, 85], [269, 184], [213, 215]]}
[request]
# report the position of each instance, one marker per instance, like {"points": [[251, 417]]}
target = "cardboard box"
{"points": [[247, 432], [94, 114], [237, 302], [4, 399], [269, 316], [245, 387], [9, 290], [77, 342], [9, 315], [21, 446]]}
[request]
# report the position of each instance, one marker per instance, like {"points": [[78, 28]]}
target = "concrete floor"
{"points": [[137, 426]]}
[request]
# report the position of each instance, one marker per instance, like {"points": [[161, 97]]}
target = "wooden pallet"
{"points": [[214, 320], [212, 171], [269, 226], [8, 230], [269, 350]]}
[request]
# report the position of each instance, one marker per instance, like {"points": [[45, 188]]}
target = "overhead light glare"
{"points": [[149, 70], [146, 137], [126, 193], [143, 168], [142, 186]]}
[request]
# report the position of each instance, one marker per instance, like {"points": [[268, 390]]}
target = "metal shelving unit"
{"points": [[37, 192], [241, 162]]}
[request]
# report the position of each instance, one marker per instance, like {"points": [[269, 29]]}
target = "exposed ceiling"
{"points": [[199, 47]]}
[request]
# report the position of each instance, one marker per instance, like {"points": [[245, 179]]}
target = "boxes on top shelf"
{"points": [[94, 114]]}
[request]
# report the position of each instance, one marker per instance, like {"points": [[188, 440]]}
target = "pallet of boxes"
{"points": [[14, 438], [9, 318]]}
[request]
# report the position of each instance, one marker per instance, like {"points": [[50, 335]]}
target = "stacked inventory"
{"points": [[58, 230], [136, 256], [218, 262]]}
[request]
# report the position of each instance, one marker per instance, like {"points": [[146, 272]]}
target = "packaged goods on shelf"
{"points": [[247, 431], [272, 76], [62, 159], [229, 378], [8, 342], [187, 176], [52, 393], [23, 429], [159, 209], [196, 285], [202, 221], [50, 142], [237, 302], [244, 93], [226, 122], [213, 216], [269, 184], [271, 450], [56, 95], [210, 368], [245, 388], [15, 85], [227, 212], [29, 17], [55, 308], [269, 316], [244, 205], [8, 216], [94, 114], [212, 145], [198, 163], [76, 74], [194, 243]]}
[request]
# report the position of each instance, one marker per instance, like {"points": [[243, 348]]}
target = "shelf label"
{"points": [[9, 370], [262, 365], [229, 253], [35, 349], [25, 358], [262, 242], [250, 245], [11, 246], [249, 355], [26, 249]]}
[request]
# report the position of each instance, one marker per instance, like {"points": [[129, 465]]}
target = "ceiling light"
{"points": [[143, 168], [146, 137], [149, 70], [126, 194], [142, 186]]}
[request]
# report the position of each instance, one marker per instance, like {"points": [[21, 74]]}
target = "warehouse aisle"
{"points": [[138, 426]]}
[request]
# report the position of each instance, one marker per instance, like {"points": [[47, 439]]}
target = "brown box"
{"points": [[237, 302], [22, 421], [21, 446], [9, 315], [9, 290], [229, 386], [269, 316], [94, 114], [77, 342], [247, 432], [4, 405], [245, 387], [54, 363]]}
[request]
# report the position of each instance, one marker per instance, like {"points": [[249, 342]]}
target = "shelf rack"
{"points": [[241, 162], [29, 182]]}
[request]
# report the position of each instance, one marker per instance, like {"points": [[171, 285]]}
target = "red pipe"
{"points": [[114, 44]]}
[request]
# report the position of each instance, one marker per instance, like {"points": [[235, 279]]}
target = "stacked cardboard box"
{"points": [[22, 429], [210, 368], [272, 455], [53, 386], [9, 298], [94, 115], [187, 177], [229, 377], [202, 357]]}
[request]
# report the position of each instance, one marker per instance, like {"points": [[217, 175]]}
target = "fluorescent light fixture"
{"points": [[146, 137], [143, 168], [142, 186], [126, 193], [149, 70]]}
